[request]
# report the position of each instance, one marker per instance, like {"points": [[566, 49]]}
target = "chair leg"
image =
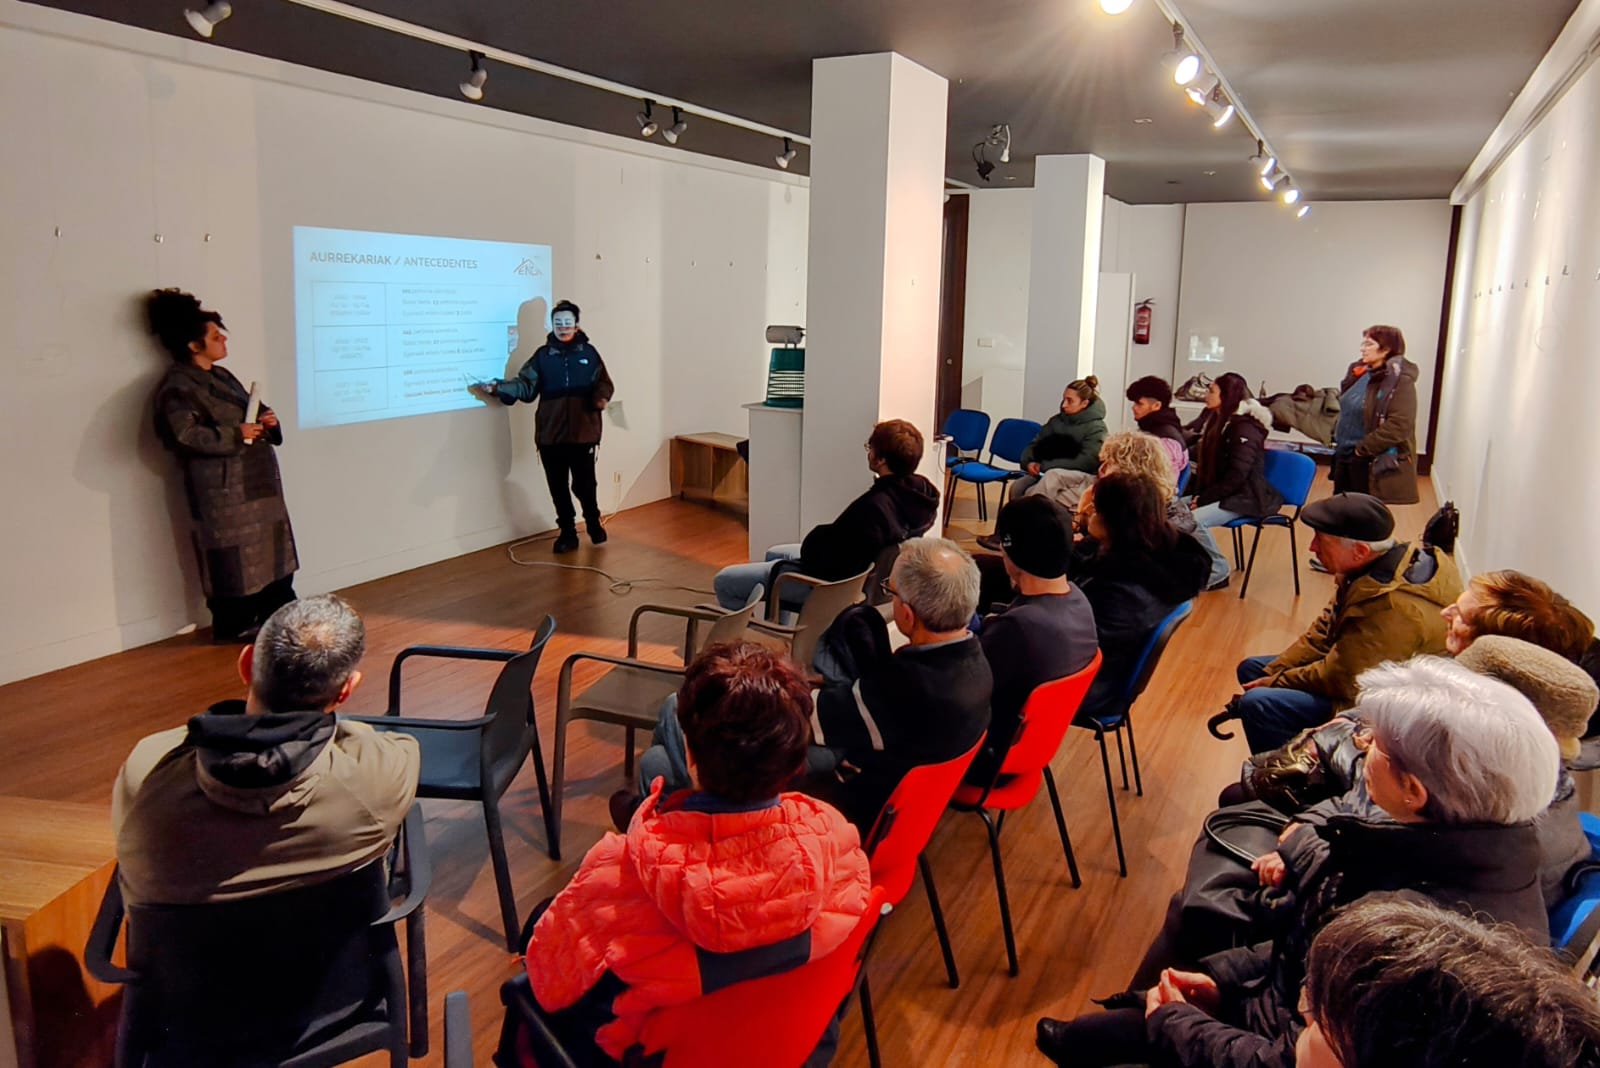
{"points": [[983, 501], [1061, 828], [1294, 558], [869, 1022], [1111, 796], [1122, 758], [543, 780], [938, 922], [558, 784], [417, 982], [1000, 890], [1238, 548], [1133, 752], [627, 756], [502, 873], [1251, 566]]}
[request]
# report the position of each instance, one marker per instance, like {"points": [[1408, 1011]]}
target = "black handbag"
{"points": [[1221, 904]]}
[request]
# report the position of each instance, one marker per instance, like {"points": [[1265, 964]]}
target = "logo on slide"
{"points": [[529, 268]]}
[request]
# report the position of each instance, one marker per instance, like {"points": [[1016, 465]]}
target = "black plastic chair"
{"points": [[303, 978], [476, 759], [1117, 716]]}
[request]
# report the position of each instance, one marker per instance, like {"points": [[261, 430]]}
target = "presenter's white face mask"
{"points": [[566, 325]]}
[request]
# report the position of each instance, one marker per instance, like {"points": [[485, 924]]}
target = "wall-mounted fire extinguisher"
{"points": [[1142, 314]]}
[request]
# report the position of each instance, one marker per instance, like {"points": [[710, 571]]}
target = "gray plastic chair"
{"points": [[630, 694], [821, 607]]}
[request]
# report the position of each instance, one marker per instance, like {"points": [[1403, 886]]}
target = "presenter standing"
{"points": [[238, 520], [569, 379]]}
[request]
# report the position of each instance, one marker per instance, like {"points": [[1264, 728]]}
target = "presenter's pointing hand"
{"points": [[250, 431]]}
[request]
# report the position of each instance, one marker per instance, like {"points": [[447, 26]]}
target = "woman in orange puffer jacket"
{"points": [[732, 880]]}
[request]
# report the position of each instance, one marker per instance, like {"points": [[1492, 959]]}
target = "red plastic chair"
{"points": [[1045, 720], [776, 1020], [901, 833]]}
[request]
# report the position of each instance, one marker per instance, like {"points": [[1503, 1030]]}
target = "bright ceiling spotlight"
{"points": [[1290, 194], [1201, 90], [1220, 108], [472, 88], [204, 22], [1270, 176], [675, 131], [1115, 7], [1262, 161], [1305, 209], [1278, 184], [646, 120], [1182, 61], [786, 157], [1000, 137]]}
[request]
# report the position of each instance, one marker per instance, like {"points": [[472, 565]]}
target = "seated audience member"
{"points": [[926, 703], [272, 792], [1230, 479], [1399, 982], [1138, 453], [1460, 764], [1152, 410], [1386, 606], [1070, 440], [1046, 633], [1136, 570], [1514, 605], [899, 504], [735, 872]]}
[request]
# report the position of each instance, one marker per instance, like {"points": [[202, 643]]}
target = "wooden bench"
{"points": [[708, 467]]}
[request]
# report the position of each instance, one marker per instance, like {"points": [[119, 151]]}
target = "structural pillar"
{"points": [[873, 267], [1063, 278]]}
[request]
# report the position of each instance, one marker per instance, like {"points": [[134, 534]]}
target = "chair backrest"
{"points": [[1011, 436], [1291, 474], [823, 605], [967, 428], [260, 978], [731, 627], [1184, 476], [776, 1020], [1150, 655], [903, 828], [881, 570], [507, 738], [1046, 717]]}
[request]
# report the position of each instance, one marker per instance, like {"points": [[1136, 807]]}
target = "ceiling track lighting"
{"points": [[984, 164], [1220, 108], [1280, 185], [1000, 137], [646, 120], [1201, 90], [1115, 7], [786, 157], [1305, 209], [1290, 194], [675, 131], [1183, 62], [472, 88], [204, 21]]}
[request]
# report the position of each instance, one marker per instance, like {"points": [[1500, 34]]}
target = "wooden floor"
{"points": [[63, 736]]}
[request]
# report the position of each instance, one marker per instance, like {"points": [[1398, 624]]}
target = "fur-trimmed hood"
{"points": [[1250, 408]]}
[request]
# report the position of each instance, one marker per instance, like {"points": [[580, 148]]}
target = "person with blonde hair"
{"points": [[1142, 455]]}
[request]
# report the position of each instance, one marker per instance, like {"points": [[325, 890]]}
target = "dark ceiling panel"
{"points": [[1365, 99]]}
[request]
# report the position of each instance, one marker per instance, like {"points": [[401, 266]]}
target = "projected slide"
{"points": [[388, 325]]}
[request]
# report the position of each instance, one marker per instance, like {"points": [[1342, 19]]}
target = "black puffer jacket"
{"points": [[569, 380], [894, 508], [1236, 477], [1472, 868]]}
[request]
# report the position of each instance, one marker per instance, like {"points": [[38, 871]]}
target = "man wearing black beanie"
{"points": [[1046, 633]]}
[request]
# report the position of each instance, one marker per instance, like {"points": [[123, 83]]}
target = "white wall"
{"points": [[1289, 297], [1517, 434], [678, 261], [1145, 240]]}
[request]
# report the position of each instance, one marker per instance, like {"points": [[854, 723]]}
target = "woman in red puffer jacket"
{"points": [[734, 879]]}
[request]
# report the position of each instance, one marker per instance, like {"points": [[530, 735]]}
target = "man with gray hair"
{"points": [[924, 704], [272, 792], [1385, 607]]}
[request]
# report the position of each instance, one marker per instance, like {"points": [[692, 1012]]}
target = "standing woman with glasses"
{"points": [[1375, 439]]}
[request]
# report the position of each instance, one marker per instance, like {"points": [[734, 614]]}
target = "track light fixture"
{"points": [[786, 157], [1280, 184], [1261, 160], [472, 88], [1183, 62], [1115, 7], [675, 131], [1305, 209], [1000, 137], [1290, 194], [984, 164], [204, 21], [646, 119], [1220, 108], [1201, 90]]}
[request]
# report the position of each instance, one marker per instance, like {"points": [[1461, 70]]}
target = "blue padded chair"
{"points": [[1011, 436], [1116, 716], [965, 431], [1291, 474], [1184, 477], [1575, 923]]}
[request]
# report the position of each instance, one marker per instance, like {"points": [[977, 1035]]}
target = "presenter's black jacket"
{"points": [[569, 380], [894, 508]]}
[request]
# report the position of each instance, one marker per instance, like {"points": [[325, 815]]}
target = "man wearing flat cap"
{"points": [[1046, 633], [1385, 607]]}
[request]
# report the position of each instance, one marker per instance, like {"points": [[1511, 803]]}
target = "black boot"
{"points": [[597, 533], [567, 541]]}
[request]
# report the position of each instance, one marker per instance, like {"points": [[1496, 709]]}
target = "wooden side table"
{"points": [[707, 467], [56, 860]]}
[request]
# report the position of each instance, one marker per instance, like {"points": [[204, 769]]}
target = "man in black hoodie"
{"points": [[270, 793], [900, 504], [1152, 410], [570, 382]]}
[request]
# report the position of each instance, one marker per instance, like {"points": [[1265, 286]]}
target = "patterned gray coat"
{"points": [[239, 524]]}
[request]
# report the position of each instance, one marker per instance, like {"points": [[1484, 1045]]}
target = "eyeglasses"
{"points": [[887, 590]]}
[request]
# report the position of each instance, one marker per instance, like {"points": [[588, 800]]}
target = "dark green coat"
{"points": [[1070, 442]]}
